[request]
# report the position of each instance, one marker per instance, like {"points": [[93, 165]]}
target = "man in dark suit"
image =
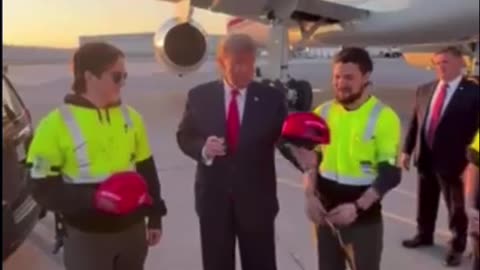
{"points": [[443, 123], [231, 127]]}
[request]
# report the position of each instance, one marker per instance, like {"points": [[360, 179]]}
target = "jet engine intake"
{"points": [[180, 46]]}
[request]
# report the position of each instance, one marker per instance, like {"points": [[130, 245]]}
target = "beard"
{"points": [[346, 96]]}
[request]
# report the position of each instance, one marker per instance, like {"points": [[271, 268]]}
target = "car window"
{"points": [[12, 107]]}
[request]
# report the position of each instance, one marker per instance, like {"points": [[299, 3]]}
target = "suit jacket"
{"points": [[456, 129], [247, 177]]}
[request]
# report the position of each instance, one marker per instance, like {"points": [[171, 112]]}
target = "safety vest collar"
{"points": [[82, 102], [369, 102], [79, 100]]}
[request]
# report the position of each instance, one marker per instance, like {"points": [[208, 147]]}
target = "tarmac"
{"points": [[160, 97]]}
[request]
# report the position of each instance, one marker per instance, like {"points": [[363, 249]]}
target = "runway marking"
{"points": [[387, 214], [405, 192]]}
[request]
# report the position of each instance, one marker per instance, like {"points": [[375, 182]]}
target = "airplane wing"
{"points": [[326, 11], [306, 15]]}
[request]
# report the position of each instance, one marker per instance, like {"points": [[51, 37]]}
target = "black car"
{"points": [[20, 211]]}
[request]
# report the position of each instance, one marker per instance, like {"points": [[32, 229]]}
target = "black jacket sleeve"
{"points": [[149, 172], [55, 195], [287, 154], [188, 139], [388, 178], [411, 136], [473, 156]]}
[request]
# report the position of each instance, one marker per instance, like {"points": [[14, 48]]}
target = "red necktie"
{"points": [[233, 122], [436, 113]]}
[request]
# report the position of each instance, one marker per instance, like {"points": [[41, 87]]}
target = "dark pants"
{"points": [[126, 250], [451, 186], [366, 240], [219, 232]]}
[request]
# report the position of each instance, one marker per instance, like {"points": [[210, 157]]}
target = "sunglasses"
{"points": [[118, 77]]}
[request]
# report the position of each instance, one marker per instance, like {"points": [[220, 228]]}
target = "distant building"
{"points": [[140, 44]]}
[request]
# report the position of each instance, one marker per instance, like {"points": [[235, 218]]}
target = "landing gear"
{"points": [[299, 93], [472, 68]]}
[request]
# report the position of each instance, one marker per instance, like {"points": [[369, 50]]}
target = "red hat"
{"points": [[124, 191], [305, 129]]}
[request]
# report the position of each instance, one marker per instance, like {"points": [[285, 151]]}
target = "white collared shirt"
{"points": [[241, 97], [452, 87]]}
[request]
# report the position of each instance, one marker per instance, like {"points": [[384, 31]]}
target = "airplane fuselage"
{"points": [[389, 22], [417, 22]]}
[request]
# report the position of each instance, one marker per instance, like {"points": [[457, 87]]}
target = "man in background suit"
{"points": [[231, 127], [444, 121]]}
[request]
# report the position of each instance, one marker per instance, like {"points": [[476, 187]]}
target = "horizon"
{"points": [[28, 19]]}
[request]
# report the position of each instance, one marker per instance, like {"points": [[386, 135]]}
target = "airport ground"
{"points": [[160, 97]]}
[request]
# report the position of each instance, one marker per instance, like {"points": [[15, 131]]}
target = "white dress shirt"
{"points": [[241, 97], [452, 87]]}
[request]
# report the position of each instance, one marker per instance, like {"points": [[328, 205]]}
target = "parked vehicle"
{"points": [[20, 211]]}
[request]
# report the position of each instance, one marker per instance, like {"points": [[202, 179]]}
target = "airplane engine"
{"points": [[180, 46]]}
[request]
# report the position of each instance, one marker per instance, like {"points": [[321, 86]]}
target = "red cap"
{"points": [[306, 128], [125, 191]]}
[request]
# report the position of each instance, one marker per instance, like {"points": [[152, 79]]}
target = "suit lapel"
{"points": [[454, 99], [218, 110], [249, 112], [430, 91]]}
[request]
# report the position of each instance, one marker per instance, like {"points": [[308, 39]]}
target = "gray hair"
{"points": [[235, 43], [452, 50]]}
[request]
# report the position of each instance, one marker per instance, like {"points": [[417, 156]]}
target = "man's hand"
{"points": [[307, 159], [314, 209], [343, 215], [214, 146], [405, 161], [368, 198], [473, 224], [153, 236]]}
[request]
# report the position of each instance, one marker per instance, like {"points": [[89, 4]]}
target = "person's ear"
{"points": [[366, 78], [221, 65], [89, 76]]}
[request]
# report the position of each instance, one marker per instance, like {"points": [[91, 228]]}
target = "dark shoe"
{"points": [[453, 259], [417, 241]]}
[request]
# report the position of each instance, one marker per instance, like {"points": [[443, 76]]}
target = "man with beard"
{"points": [[346, 179]]}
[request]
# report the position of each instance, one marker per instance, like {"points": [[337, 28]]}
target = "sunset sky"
{"points": [[58, 23]]}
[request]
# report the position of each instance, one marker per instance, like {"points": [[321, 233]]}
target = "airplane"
{"points": [[418, 26]]}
